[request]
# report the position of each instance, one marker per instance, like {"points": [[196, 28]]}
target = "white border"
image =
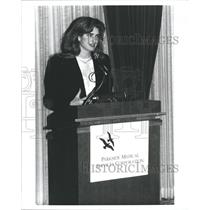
{"points": [[191, 63]]}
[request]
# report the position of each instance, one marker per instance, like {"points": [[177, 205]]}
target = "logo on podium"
{"points": [[109, 143]]}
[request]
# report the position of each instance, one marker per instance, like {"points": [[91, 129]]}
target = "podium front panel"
{"points": [[128, 191]]}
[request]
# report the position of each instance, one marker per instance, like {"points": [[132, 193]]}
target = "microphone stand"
{"points": [[91, 95]]}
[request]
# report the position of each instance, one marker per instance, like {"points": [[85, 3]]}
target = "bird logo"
{"points": [[110, 139], [109, 143]]}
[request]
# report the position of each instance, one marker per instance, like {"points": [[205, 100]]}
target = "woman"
{"points": [[80, 67], [78, 71]]}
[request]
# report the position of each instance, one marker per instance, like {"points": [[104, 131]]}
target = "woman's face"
{"points": [[88, 42]]}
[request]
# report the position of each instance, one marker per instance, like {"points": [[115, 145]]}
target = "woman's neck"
{"points": [[84, 54]]}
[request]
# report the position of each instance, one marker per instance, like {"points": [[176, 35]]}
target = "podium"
{"points": [[69, 158]]}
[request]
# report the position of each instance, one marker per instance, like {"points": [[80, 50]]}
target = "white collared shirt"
{"points": [[87, 69]]}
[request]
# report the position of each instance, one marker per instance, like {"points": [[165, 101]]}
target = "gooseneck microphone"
{"points": [[106, 72]]}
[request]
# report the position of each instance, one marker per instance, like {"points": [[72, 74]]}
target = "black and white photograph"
{"points": [[100, 116], [104, 105]]}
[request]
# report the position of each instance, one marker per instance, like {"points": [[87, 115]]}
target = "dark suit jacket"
{"points": [[62, 81]]}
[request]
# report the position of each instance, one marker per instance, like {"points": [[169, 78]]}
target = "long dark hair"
{"points": [[80, 26]]}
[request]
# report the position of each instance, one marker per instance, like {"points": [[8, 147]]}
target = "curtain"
{"points": [[133, 33], [51, 22], [145, 68], [161, 89]]}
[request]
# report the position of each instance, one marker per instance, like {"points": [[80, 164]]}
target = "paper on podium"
{"points": [[119, 150]]}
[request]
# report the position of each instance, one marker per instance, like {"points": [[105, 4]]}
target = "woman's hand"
{"points": [[77, 100]]}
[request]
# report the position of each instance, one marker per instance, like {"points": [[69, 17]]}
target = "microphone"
{"points": [[92, 95], [106, 70]]}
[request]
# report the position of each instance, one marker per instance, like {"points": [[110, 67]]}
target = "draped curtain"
{"points": [[133, 33], [51, 22], [161, 89]]}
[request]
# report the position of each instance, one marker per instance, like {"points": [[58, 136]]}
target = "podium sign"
{"points": [[119, 150]]}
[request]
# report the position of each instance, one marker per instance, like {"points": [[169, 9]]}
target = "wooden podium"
{"points": [[69, 160]]}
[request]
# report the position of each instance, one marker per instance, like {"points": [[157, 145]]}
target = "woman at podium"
{"points": [[73, 77], [80, 67]]}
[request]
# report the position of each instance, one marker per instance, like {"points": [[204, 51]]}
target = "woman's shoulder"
{"points": [[102, 57], [105, 59], [106, 55], [57, 57]]}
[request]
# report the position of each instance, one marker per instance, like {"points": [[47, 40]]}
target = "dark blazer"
{"points": [[63, 79]]}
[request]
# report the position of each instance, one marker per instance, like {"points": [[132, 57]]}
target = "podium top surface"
{"points": [[117, 109]]}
